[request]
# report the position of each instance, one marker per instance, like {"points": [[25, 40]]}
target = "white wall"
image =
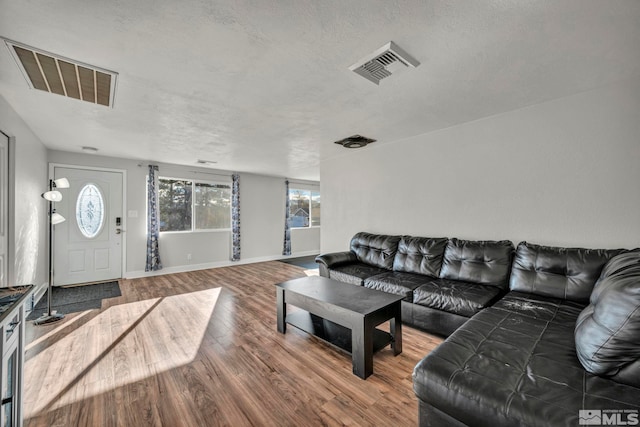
{"points": [[565, 172], [262, 201], [28, 216]]}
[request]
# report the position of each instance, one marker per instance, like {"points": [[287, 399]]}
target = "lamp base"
{"points": [[48, 318]]}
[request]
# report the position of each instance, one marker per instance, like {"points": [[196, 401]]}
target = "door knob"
{"points": [[119, 231]]}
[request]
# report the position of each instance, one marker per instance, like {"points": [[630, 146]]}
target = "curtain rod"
{"points": [[314, 183], [212, 173], [141, 164]]}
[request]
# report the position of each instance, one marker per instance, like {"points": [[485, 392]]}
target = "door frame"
{"points": [[11, 211], [52, 167]]}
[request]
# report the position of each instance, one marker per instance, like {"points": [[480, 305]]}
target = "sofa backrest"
{"points": [[608, 329], [566, 273], [420, 255], [375, 249], [485, 262]]}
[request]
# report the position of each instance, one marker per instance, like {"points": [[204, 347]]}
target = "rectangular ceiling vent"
{"points": [[383, 62], [56, 74]]}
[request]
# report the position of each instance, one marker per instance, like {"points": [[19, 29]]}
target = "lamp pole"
{"points": [[49, 316]]}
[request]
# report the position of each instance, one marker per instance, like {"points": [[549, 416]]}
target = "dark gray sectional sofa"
{"points": [[551, 337]]}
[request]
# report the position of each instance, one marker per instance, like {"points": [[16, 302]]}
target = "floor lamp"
{"points": [[53, 195]]}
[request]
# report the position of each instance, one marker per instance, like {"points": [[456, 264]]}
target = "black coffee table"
{"points": [[344, 315]]}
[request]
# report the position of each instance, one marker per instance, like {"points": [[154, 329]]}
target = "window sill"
{"points": [[212, 230]]}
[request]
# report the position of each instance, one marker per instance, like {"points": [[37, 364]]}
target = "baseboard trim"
{"points": [[206, 266], [40, 290]]}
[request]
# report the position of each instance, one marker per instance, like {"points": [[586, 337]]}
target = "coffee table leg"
{"points": [[282, 310], [362, 349], [396, 330]]}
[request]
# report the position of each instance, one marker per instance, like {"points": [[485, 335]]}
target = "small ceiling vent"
{"points": [[355, 141], [383, 62], [55, 74]]}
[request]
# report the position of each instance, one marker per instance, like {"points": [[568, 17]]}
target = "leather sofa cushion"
{"points": [[607, 332], [505, 367], [568, 273], [484, 262], [375, 249], [540, 308], [354, 273], [397, 283], [461, 298], [420, 255]]}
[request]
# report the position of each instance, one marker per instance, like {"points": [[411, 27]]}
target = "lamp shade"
{"points": [[56, 218], [52, 196], [61, 183]]}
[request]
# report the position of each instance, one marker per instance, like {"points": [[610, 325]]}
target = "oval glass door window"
{"points": [[90, 211]]}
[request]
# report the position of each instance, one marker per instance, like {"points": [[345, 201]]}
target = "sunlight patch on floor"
{"points": [[59, 328], [121, 345]]}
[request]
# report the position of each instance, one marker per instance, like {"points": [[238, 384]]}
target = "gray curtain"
{"points": [[235, 217], [286, 250], [153, 221]]}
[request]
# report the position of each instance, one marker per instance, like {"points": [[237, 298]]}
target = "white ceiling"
{"points": [[264, 86]]}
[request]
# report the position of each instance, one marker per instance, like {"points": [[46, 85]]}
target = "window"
{"points": [[174, 199], [304, 208], [213, 206], [315, 209], [210, 209], [90, 211]]}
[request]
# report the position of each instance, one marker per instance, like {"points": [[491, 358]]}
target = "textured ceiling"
{"points": [[264, 86]]}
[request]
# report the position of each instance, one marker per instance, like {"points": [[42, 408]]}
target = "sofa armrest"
{"points": [[336, 258], [327, 261]]}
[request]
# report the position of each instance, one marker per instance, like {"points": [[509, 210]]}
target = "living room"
{"points": [[520, 123]]}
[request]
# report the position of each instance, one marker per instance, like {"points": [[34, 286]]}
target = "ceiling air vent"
{"points": [[355, 141], [56, 74], [383, 62]]}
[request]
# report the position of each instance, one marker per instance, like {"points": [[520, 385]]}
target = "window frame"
{"points": [[311, 208], [193, 229], [309, 192]]}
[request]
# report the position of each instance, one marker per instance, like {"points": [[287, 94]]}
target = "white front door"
{"points": [[88, 245]]}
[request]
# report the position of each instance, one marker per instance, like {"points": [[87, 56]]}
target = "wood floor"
{"points": [[201, 349]]}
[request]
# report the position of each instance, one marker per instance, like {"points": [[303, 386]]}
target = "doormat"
{"points": [[75, 299]]}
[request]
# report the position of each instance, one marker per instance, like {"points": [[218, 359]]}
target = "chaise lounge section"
{"points": [[518, 363]]}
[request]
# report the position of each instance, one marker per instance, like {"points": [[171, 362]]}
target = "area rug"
{"points": [[307, 262], [77, 298]]}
